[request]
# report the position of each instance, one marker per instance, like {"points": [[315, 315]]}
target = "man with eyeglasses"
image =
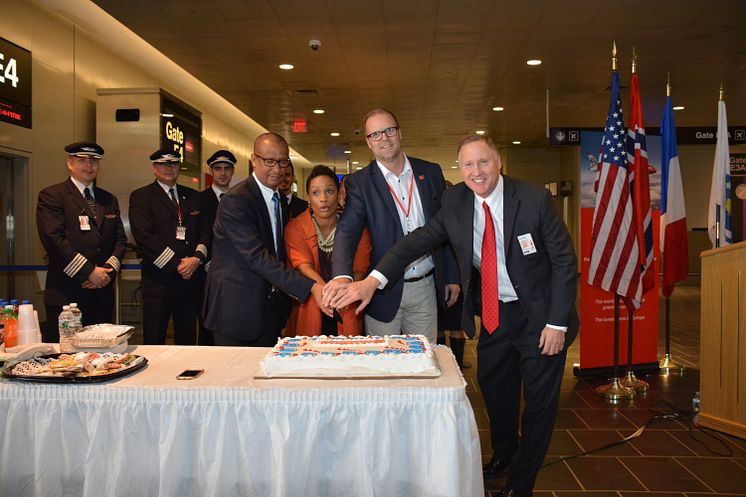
{"points": [[165, 222], [392, 196], [244, 300], [81, 230]]}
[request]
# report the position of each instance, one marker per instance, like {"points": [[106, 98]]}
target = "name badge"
{"points": [[181, 232], [85, 223], [527, 244]]}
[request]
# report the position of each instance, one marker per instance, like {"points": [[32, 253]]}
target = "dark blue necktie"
{"points": [[279, 241]]}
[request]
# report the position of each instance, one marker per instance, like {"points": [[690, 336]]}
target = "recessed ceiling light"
{"points": [[679, 107], [334, 133], [498, 109], [167, 115], [516, 142], [480, 131], [355, 162], [348, 151], [318, 111], [533, 62], [454, 167], [286, 67], [359, 168]]}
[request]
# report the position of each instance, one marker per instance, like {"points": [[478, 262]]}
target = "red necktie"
{"points": [[490, 303]]}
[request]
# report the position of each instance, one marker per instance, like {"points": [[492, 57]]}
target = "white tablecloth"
{"points": [[228, 434]]}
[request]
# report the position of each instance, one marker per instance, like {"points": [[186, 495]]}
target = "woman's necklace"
{"points": [[325, 244]]}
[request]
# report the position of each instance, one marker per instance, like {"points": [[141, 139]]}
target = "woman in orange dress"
{"points": [[309, 240]]}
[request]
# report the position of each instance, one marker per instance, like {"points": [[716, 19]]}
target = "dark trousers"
{"points": [[204, 337], [510, 360], [93, 313], [274, 320], [158, 310]]}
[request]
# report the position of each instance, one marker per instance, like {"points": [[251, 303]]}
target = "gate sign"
{"points": [[15, 84]]}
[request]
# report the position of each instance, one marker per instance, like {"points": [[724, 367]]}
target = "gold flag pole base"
{"points": [[615, 391], [630, 381], [669, 366]]}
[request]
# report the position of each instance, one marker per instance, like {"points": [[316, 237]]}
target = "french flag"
{"points": [[674, 247]]}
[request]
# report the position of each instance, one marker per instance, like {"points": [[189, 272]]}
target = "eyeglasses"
{"points": [[273, 162], [377, 135]]}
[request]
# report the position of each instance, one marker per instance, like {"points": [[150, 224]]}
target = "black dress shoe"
{"points": [[495, 469], [509, 492]]}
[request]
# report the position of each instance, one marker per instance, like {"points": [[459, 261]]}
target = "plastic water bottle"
{"points": [[78, 315], [65, 327], [695, 402], [9, 327]]}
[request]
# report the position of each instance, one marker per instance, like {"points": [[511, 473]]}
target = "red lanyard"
{"points": [[398, 202], [174, 200]]}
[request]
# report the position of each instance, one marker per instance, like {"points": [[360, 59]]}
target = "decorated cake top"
{"points": [[330, 346]]}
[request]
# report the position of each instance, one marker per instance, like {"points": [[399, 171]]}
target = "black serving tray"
{"points": [[119, 373]]}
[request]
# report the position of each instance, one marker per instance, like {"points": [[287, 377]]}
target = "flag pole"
{"points": [[667, 365], [614, 391], [630, 380], [717, 207]]}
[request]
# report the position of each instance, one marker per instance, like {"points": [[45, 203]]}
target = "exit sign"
{"points": [[300, 126]]}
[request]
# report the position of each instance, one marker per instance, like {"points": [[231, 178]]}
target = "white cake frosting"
{"points": [[391, 355]]}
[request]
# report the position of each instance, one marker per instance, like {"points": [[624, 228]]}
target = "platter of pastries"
{"points": [[81, 367]]}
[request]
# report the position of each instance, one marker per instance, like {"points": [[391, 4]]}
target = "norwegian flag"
{"points": [[637, 161], [614, 251]]}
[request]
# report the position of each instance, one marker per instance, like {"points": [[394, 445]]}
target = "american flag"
{"points": [[614, 250], [637, 162]]}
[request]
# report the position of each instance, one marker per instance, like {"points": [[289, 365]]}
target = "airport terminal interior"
{"points": [[199, 76]]}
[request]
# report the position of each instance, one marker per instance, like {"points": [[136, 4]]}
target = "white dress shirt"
{"points": [[218, 192], [80, 186], [268, 194], [167, 189]]}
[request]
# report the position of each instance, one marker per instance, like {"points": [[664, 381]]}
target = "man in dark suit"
{"points": [[165, 222], [517, 262], [243, 296], [392, 196], [82, 232], [297, 205], [222, 166]]}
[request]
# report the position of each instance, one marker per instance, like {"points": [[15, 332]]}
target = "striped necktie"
{"points": [[90, 201]]}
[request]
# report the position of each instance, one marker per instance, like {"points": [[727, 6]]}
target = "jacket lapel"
{"points": [[423, 188], [466, 220], [163, 197], [379, 182], [269, 237], [74, 193], [510, 210]]}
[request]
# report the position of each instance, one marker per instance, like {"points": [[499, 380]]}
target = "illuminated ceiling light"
{"points": [[318, 111], [348, 151], [358, 168], [533, 62], [516, 142], [334, 133], [480, 132], [286, 67], [679, 107], [454, 167], [355, 162], [171, 115], [498, 109]]}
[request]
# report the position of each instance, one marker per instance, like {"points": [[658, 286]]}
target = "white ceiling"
{"points": [[442, 65]]}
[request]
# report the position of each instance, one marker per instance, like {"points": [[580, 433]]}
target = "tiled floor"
{"points": [[671, 458]]}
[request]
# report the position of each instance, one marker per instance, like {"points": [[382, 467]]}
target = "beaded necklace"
{"points": [[325, 244]]}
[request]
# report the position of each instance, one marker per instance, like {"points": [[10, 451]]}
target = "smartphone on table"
{"points": [[190, 374]]}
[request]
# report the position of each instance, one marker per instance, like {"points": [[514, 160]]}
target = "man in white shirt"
{"points": [[392, 196], [519, 272]]}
